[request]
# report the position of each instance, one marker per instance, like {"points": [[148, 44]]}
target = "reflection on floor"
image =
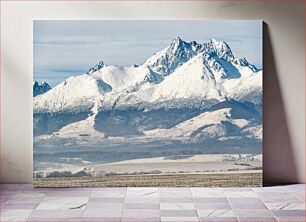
{"points": [[21, 202]]}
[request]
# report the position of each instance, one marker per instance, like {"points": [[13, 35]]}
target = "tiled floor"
{"points": [[20, 202]]}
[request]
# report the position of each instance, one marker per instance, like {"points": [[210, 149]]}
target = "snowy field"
{"points": [[206, 163]]}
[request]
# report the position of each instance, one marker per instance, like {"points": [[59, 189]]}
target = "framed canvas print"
{"points": [[147, 103]]}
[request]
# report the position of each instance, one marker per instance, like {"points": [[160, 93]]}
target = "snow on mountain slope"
{"points": [[206, 71], [127, 78], [220, 49], [96, 68], [248, 88], [82, 128], [75, 94], [236, 78], [173, 56], [198, 78], [208, 124], [179, 52], [254, 132], [228, 119], [40, 88], [223, 69], [191, 80]]}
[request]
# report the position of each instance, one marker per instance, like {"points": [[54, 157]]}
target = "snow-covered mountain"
{"points": [[40, 88], [76, 94], [226, 119], [173, 56], [187, 91]]}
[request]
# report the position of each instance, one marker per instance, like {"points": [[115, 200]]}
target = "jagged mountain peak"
{"points": [[97, 67], [76, 94], [197, 70], [40, 88], [244, 62], [194, 43], [178, 42], [180, 51], [171, 57], [218, 48], [152, 77]]}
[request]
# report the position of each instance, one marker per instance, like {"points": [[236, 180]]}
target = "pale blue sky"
{"points": [[63, 48]]}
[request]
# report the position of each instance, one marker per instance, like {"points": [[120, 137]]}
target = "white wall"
{"points": [[284, 99]]}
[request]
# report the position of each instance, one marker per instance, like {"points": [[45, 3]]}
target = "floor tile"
{"points": [[274, 193], [142, 200], [278, 189], [28, 194], [291, 219], [62, 203], [29, 187], [236, 189], [110, 189], [176, 200], [141, 206], [177, 206], [175, 192], [216, 213], [135, 192], [207, 192], [218, 219], [213, 205], [230, 194], [14, 214], [289, 213], [54, 219], [296, 186], [246, 203], [274, 197], [81, 193], [105, 200], [281, 200], [3, 201], [174, 189], [178, 213], [245, 200], [248, 206], [253, 213], [254, 219], [210, 200], [25, 200], [91, 205], [20, 206], [101, 219], [179, 219], [140, 219], [285, 206], [282, 203], [103, 213], [109, 193], [72, 189], [56, 214], [299, 195], [10, 187], [142, 213]]}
